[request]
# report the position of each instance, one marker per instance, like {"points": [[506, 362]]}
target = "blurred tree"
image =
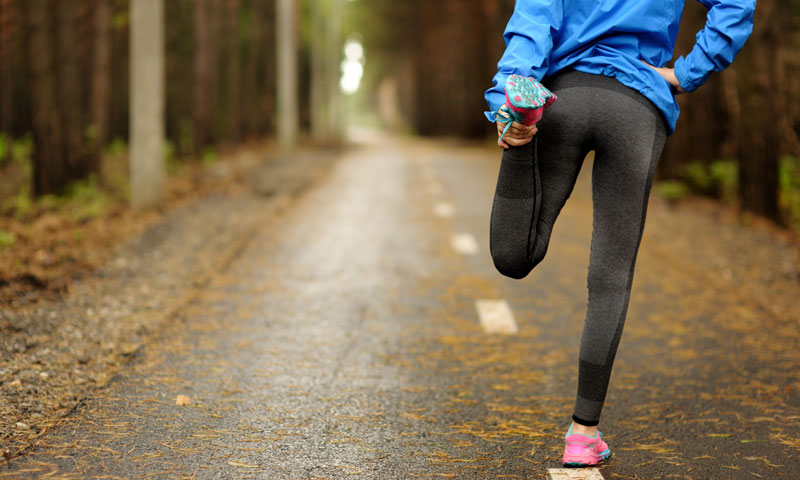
{"points": [[268, 80], [178, 49], [60, 154], [233, 70], [761, 108], [79, 159], [9, 18], [325, 57], [204, 41], [252, 32], [119, 115], [318, 94], [450, 47], [332, 72], [73, 90], [101, 75], [703, 126], [750, 112], [287, 72], [147, 102]]}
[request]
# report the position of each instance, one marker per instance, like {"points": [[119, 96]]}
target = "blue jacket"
{"points": [[612, 37]]}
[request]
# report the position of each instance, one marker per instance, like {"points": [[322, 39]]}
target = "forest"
{"points": [[65, 88], [251, 238]]}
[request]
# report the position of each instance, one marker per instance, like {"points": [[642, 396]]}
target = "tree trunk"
{"points": [[758, 148], [202, 75], [267, 110], [319, 94], [147, 102], [70, 105], [233, 113], [51, 173], [101, 75], [250, 83], [333, 61], [702, 128], [8, 46], [287, 74]]}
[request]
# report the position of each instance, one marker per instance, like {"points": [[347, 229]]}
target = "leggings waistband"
{"points": [[575, 79]]}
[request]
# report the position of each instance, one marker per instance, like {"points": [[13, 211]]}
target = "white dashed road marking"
{"points": [[575, 474], [464, 243], [496, 317], [444, 210]]}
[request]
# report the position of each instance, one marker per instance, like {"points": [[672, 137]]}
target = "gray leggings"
{"points": [[627, 133]]}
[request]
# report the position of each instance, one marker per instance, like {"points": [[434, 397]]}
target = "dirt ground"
{"points": [[78, 297], [54, 246]]}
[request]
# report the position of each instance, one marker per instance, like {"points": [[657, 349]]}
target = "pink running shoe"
{"points": [[584, 451]]}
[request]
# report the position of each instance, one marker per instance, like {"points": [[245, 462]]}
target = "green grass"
{"points": [[7, 239], [83, 200], [672, 190], [5, 147], [209, 156], [719, 179], [789, 182]]}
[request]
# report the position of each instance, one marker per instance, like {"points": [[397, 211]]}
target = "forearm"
{"points": [[729, 25]]}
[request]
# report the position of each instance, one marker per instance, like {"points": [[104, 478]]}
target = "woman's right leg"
{"points": [[534, 182]]}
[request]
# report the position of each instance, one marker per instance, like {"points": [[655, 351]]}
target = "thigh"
{"points": [[562, 145], [629, 140]]}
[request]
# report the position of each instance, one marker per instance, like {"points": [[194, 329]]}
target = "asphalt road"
{"points": [[345, 341]]}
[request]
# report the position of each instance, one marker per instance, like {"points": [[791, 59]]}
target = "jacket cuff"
{"points": [[495, 101], [682, 75]]}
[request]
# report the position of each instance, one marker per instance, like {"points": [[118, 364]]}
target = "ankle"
{"points": [[584, 430]]}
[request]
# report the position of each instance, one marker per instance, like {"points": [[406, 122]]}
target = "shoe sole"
{"points": [[525, 89], [523, 97], [585, 465]]}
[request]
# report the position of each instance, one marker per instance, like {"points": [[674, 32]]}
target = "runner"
{"points": [[604, 61]]}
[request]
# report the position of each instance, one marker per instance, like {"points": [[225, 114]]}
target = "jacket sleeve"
{"points": [[728, 25], [529, 42]]}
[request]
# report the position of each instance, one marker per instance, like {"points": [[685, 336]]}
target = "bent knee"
{"points": [[512, 269], [516, 265]]}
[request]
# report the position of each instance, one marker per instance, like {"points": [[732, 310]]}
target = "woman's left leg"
{"points": [[629, 136]]}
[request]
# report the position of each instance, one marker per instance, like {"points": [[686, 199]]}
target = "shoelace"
{"points": [[512, 117]]}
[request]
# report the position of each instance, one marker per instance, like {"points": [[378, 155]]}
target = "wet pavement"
{"points": [[344, 341]]}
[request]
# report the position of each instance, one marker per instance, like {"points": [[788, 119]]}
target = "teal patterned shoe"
{"points": [[526, 101]]}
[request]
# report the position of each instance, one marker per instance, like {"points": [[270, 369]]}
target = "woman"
{"points": [[604, 59]]}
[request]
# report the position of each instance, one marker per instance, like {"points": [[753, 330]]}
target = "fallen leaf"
{"points": [[183, 400]]}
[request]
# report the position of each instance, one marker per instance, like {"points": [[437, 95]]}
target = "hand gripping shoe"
{"points": [[526, 101]]}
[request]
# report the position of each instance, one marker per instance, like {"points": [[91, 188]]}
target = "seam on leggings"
{"points": [[650, 174], [533, 228]]}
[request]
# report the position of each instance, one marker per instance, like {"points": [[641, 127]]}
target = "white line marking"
{"points": [[575, 473], [444, 210], [464, 243], [496, 317]]}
